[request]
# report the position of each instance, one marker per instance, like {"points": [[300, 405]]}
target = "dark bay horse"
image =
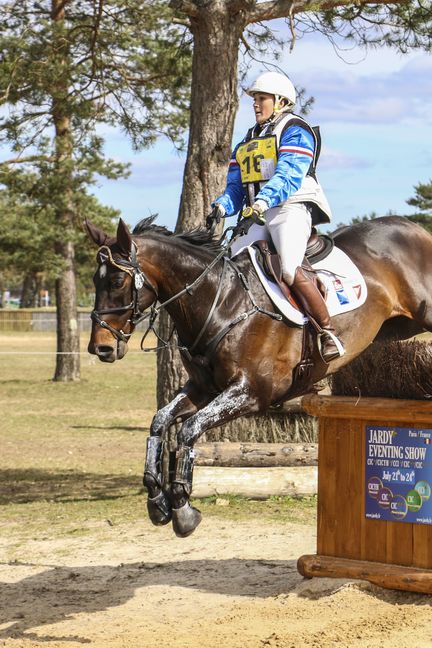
{"points": [[241, 357]]}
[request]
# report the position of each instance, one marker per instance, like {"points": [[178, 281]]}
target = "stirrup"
{"points": [[339, 348]]}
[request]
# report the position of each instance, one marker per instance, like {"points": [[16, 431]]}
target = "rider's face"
{"points": [[263, 105]]}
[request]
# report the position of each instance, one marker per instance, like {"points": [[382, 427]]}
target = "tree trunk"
{"points": [[171, 375], [68, 359], [29, 292], [214, 103]]}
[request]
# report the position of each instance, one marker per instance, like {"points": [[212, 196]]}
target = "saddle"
{"points": [[318, 248]]}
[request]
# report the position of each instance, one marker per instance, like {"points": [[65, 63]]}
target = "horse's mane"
{"points": [[146, 226], [198, 236]]}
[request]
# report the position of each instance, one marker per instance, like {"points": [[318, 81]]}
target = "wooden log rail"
{"points": [[399, 577], [255, 483], [256, 455], [255, 470]]}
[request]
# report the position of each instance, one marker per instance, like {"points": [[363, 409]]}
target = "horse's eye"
{"points": [[116, 281]]}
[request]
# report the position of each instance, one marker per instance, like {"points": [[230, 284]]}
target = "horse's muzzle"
{"points": [[107, 352]]}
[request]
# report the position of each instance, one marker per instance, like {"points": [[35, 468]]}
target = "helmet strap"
{"points": [[287, 107], [277, 107]]}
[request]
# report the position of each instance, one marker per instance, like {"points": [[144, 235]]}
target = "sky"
{"points": [[374, 110]]}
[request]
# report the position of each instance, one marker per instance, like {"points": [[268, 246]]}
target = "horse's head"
{"points": [[123, 292]]}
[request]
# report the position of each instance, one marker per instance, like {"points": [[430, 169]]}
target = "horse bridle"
{"points": [[139, 280]]}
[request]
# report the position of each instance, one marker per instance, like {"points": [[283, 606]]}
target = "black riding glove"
{"points": [[213, 219], [243, 227]]}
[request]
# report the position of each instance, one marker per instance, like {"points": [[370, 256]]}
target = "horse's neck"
{"points": [[174, 267]]}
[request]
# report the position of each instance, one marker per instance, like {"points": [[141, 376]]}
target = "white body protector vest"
{"points": [[257, 158]]}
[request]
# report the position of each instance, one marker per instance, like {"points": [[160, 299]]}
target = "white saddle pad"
{"points": [[346, 288]]}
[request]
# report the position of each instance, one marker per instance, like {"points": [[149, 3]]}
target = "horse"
{"points": [[241, 356]]}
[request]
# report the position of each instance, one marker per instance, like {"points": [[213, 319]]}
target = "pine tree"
{"points": [[423, 198], [29, 230], [66, 66], [423, 201]]}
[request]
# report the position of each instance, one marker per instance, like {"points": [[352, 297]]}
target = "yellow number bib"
{"points": [[257, 159]]}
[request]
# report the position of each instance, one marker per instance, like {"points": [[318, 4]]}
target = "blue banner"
{"points": [[398, 474]]}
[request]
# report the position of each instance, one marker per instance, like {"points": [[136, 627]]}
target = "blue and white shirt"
{"points": [[296, 150]]}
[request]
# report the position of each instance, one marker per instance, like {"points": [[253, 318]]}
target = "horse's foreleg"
{"points": [[233, 402], [181, 407], [158, 504]]}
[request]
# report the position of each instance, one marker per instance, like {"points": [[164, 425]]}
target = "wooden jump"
{"points": [[395, 555]]}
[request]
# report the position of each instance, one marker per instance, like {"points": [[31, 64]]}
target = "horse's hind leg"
{"points": [[181, 407]]}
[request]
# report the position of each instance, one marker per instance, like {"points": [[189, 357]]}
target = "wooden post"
{"points": [[396, 555]]}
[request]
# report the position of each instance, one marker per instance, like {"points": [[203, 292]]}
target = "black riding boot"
{"points": [[185, 518], [313, 304]]}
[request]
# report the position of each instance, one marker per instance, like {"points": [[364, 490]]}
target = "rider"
{"points": [[272, 171]]}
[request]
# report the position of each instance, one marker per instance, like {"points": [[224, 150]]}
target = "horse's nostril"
{"points": [[104, 351]]}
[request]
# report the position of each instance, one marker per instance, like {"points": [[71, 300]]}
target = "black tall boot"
{"points": [[313, 304]]}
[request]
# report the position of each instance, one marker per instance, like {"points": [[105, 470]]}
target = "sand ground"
{"points": [[229, 585]]}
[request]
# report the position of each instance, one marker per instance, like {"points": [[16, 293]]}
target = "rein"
{"points": [[188, 289], [140, 280]]}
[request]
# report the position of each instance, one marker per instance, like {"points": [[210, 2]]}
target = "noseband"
{"points": [[139, 280]]}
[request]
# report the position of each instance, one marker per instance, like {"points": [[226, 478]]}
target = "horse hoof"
{"points": [[185, 520], [159, 509]]}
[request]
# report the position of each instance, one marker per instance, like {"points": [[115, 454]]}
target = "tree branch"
{"points": [[185, 6], [247, 47], [29, 158], [183, 22], [284, 8], [234, 6]]}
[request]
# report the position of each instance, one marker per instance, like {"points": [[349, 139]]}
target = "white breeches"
{"points": [[289, 227]]}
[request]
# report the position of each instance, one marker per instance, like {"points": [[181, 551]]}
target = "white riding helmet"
{"points": [[275, 84]]}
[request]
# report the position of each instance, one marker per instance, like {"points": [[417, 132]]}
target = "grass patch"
{"points": [[56, 519], [273, 509], [64, 516], [72, 454], [96, 425]]}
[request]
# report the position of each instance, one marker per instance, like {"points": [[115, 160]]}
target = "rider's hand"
{"points": [[213, 219], [256, 212], [243, 227]]}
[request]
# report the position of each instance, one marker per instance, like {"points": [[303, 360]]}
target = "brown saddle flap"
{"points": [[271, 265]]}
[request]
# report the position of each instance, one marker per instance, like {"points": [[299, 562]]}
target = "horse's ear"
{"points": [[124, 239], [97, 235]]}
